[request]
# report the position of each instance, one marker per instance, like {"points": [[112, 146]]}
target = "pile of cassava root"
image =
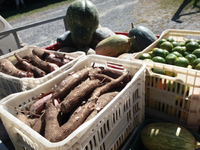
{"points": [[76, 99], [35, 65]]}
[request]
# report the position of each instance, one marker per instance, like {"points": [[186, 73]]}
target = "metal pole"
{"points": [[14, 30], [17, 39], [65, 23]]}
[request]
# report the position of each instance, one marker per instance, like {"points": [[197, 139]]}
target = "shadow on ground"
{"points": [[11, 9], [178, 14]]}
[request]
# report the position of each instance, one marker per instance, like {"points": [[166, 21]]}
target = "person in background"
{"points": [[17, 3]]}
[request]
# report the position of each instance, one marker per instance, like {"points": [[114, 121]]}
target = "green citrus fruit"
{"points": [[181, 43], [170, 73], [189, 40], [191, 46], [167, 45], [145, 56], [155, 48], [170, 58], [160, 42], [170, 39], [148, 60], [183, 47], [189, 66], [197, 66], [150, 53], [181, 61], [158, 59], [196, 62], [159, 71], [166, 52], [175, 44], [186, 53], [177, 54], [159, 52], [196, 52], [191, 58], [179, 49]]}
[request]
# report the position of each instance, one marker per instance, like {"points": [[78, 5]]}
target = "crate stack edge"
{"points": [[175, 99], [107, 130], [10, 84]]}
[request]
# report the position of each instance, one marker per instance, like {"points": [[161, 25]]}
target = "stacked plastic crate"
{"points": [[107, 130], [175, 99], [10, 84]]}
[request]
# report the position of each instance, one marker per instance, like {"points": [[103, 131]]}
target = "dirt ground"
{"points": [[159, 18]]}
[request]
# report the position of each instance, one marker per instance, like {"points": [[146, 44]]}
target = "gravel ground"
{"points": [[116, 15]]}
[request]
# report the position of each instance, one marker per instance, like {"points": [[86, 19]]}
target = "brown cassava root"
{"points": [[51, 121], [7, 67], [71, 82], [46, 66], [76, 95], [102, 101], [76, 119], [29, 67], [50, 57]]}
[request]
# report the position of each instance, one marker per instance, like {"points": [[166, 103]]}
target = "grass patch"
{"points": [[32, 8], [167, 4], [173, 4]]}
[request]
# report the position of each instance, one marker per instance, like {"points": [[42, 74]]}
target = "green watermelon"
{"points": [[82, 19], [167, 136], [143, 38]]}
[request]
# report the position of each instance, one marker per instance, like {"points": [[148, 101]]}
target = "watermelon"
{"points": [[167, 136], [82, 19], [143, 38]]}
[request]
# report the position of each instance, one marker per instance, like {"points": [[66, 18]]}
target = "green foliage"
{"points": [[31, 8]]}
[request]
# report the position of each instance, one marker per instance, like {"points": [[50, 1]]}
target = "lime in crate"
{"points": [[172, 90]]}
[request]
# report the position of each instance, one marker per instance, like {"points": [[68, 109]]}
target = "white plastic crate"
{"points": [[7, 42], [106, 131], [10, 84], [175, 99]]}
